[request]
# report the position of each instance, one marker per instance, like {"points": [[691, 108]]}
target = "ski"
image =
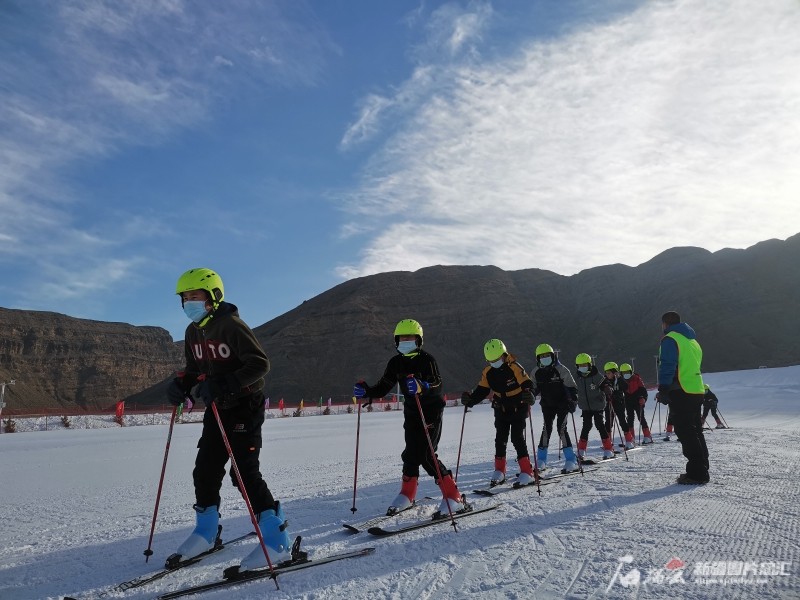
{"points": [[385, 532], [599, 461], [254, 575], [150, 577], [501, 488], [578, 472], [374, 521]]}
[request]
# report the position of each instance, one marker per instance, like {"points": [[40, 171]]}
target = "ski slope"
{"points": [[77, 507]]}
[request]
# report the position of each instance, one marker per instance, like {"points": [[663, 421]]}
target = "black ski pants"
{"points": [[417, 453], [593, 415], [685, 412], [242, 425], [559, 414], [632, 408], [510, 420], [710, 406]]}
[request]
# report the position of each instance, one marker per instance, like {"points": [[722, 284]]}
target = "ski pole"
{"points": [[460, 441], [724, 422], [355, 475], [624, 445], [149, 552], [244, 492], [535, 459], [575, 431], [653, 418], [433, 456]]}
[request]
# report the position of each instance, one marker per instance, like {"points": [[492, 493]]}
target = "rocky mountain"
{"points": [[77, 364], [741, 302]]}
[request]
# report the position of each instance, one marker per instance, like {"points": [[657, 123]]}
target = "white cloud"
{"points": [[91, 78], [676, 124]]}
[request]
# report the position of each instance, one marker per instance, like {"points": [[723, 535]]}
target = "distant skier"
{"points": [[225, 365], [417, 374], [594, 394], [556, 386], [617, 384], [635, 399], [680, 385], [512, 388], [710, 402]]}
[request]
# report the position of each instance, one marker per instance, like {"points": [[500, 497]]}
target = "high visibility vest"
{"points": [[690, 355]]}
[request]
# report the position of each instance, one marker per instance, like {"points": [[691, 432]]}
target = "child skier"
{"points": [[225, 365], [511, 386], [594, 394], [635, 399], [710, 402], [556, 386], [618, 403], [418, 375]]}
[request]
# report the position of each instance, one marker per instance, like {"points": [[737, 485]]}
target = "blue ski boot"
{"points": [[204, 536], [273, 525]]}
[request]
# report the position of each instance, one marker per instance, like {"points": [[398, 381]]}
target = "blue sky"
{"points": [[292, 145]]}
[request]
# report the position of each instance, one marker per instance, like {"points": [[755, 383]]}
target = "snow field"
{"points": [[77, 507]]}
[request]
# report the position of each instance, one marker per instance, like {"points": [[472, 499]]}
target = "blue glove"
{"points": [[415, 386], [360, 390]]}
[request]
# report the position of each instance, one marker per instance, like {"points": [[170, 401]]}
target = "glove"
{"points": [[360, 389], [466, 400], [527, 397], [662, 398], [642, 401], [218, 390], [176, 394], [573, 405], [415, 386]]}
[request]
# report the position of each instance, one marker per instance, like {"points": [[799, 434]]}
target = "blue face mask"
{"points": [[406, 347], [195, 310], [498, 363], [546, 361]]}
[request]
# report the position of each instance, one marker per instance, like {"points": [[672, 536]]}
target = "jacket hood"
{"points": [[684, 329]]}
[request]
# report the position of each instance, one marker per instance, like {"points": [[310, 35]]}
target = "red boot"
{"points": [[608, 448], [450, 495], [499, 475], [526, 476], [405, 499]]}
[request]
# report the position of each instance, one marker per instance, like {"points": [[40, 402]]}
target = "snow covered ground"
{"points": [[77, 506]]}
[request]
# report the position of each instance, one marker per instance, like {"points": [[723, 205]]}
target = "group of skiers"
{"points": [[226, 366]]}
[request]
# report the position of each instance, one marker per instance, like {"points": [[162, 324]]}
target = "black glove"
{"points": [[176, 393], [466, 400], [573, 405], [662, 398], [220, 390], [527, 397]]}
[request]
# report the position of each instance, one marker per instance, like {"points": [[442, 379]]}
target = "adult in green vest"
{"points": [[680, 385]]}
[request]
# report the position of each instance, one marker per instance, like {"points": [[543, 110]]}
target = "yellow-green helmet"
{"points": [[202, 279], [408, 327], [583, 359], [611, 366], [706, 386], [544, 349], [494, 349], [625, 368]]}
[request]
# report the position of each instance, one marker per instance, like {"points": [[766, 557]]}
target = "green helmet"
{"points": [[544, 349], [494, 349], [202, 279], [625, 368], [706, 386], [583, 359], [408, 327], [611, 366]]}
